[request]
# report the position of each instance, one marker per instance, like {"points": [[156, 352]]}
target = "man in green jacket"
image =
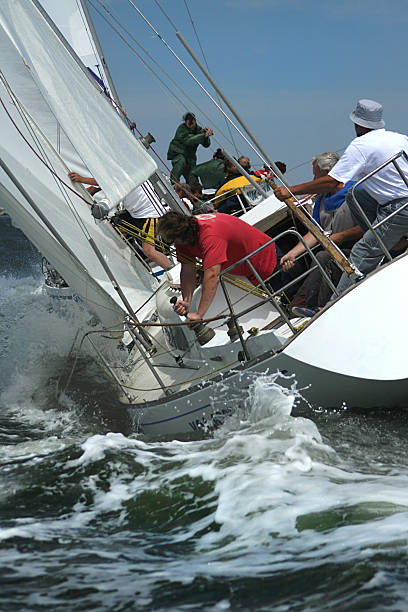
{"points": [[183, 147], [210, 173]]}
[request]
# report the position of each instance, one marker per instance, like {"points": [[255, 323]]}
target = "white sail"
{"points": [[114, 157], [65, 211], [72, 22]]}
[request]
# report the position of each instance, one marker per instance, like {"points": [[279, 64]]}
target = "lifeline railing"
{"points": [[375, 226], [264, 283], [270, 296], [271, 293]]}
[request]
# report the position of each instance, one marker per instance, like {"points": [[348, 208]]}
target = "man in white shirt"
{"points": [[380, 195], [142, 211]]}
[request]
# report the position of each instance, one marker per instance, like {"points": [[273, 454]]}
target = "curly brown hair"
{"points": [[176, 227]]}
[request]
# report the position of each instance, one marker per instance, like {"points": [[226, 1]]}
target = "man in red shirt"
{"points": [[219, 241]]}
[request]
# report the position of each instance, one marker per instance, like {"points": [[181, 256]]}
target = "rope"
{"points": [[205, 61], [233, 280], [88, 34], [148, 68], [30, 124], [109, 375], [309, 161], [230, 279], [178, 323], [248, 142]]}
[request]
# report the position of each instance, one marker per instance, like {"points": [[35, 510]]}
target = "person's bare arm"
{"points": [[323, 184], [209, 288], [188, 284], [93, 189], [352, 234], [77, 178], [288, 260]]}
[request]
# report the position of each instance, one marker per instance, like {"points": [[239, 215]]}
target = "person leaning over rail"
{"points": [[142, 210], [183, 147], [333, 215], [380, 195], [219, 241]]}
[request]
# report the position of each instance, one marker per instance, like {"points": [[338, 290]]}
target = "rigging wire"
{"points": [[181, 102], [122, 111], [39, 156], [232, 142], [162, 84], [90, 39], [46, 160], [48, 164], [309, 161], [208, 68], [246, 287], [258, 148], [249, 143], [148, 68]]}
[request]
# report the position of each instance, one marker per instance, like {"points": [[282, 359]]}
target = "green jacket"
{"points": [[211, 173], [185, 142]]}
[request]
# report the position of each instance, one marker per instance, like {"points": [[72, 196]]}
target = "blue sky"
{"points": [[294, 69]]}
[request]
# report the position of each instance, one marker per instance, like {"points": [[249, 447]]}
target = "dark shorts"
{"points": [[145, 228]]}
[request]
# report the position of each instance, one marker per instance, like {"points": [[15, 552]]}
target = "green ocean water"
{"points": [[278, 511]]}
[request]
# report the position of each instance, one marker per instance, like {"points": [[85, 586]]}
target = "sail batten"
{"points": [[109, 150]]}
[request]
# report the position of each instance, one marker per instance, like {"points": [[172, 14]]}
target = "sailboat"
{"points": [[173, 378]]}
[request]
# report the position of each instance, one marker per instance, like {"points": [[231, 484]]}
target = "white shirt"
{"points": [[364, 154], [143, 203]]}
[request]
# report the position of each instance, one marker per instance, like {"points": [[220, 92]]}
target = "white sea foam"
{"points": [[96, 446], [31, 449], [279, 494], [36, 342]]}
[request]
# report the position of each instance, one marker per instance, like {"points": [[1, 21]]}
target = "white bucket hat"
{"points": [[368, 114]]}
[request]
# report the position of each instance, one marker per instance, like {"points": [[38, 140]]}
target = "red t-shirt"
{"points": [[224, 239]]}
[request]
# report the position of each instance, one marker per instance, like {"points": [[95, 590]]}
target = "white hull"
{"points": [[345, 356], [206, 408]]}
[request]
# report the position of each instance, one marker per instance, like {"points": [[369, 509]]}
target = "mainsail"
{"points": [[28, 124]]}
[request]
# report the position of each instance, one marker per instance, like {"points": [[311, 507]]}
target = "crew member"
{"points": [[219, 241], [381, 195], [183, 147]]}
